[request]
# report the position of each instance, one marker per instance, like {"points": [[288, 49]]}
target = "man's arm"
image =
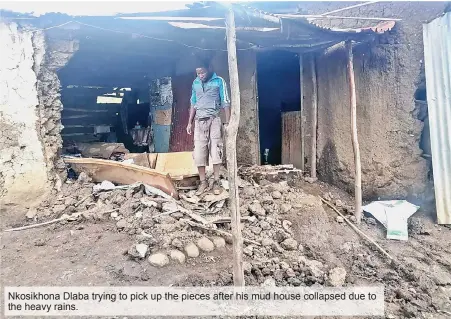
{"points": [[192, 111], [225, 100]]}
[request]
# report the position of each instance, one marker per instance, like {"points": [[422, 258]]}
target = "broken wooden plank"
{"points": [[178, 165], [148, 160], [120, 173], [291, 139]]}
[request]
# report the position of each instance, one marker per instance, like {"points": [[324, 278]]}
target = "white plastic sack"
{"points": [[393, 214]]}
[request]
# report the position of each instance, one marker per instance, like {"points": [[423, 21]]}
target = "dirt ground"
{"points": [[95, 252]]}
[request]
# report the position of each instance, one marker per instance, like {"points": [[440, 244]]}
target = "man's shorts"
{"points": [[208, 141]]}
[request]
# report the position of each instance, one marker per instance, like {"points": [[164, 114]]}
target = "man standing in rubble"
{"points": [[209, 95]]}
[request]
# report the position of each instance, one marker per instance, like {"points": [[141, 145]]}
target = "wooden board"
{"points": [[101, 150], [178, 165], [100, 170], [291, 139], [143, 159], [163, 117]]}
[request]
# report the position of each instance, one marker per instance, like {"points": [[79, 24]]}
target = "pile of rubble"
{"points": [[169, 231]]}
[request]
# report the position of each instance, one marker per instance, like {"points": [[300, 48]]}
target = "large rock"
{"points": [[121, 224], [276, 195], [177, 256], [257, 209], [58, 209], [336, 277], [290, 244], [32, 212], [191, 250], [138, 250], [219, 242], [205, 244], [158, 260], [285, 208]]}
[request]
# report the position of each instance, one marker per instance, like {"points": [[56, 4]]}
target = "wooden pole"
{"points": [[314, 116], [355, 141], [301, 82], [232, 168]]}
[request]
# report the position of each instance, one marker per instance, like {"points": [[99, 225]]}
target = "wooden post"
{"points": [[355, 141], [232, 168], [301, 82], [314, 116]]}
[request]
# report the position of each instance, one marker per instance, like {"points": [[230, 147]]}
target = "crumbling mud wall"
{"points": [[387, 75], [30, 110], [51, 54], [23, 169]]}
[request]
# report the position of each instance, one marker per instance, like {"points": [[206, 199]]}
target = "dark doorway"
{"points": [[278, 91]]}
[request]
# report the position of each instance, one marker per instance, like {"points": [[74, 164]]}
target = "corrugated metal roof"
{"points": [[437, 53]]}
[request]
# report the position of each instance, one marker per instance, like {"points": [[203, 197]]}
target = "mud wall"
{"points": [[30, 110], [23, 169], [387, 75]]}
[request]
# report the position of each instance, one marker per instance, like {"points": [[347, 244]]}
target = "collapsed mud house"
{"points": [[73, 79]]}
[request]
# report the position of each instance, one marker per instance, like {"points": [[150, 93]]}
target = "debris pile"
{"points": [[172, 231]]}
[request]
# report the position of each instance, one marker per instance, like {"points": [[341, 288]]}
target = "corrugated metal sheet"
{"points": [[437, 52]]}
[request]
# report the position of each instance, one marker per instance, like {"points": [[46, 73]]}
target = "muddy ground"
{"points": [[99, 250]]}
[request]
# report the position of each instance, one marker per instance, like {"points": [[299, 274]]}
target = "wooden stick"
{"points": [[301, 72], [314, 116], [355, 141], [221, 232], [232, 167], [83, 199], [358, 230], [52, 221]]}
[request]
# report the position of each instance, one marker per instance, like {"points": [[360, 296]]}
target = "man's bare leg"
{"points": [[203, 181]]}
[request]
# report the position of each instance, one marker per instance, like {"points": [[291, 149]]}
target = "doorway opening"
{"points": [[279, 92]]}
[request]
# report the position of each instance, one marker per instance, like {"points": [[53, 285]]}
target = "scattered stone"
{"points": [[296, 282], [285, 208], [301, 248], [158, 260], [219, 242], [139, 214], [339, 203], [276, 195], [337, 277], [121, 224], [32, 212], [205, 244], [177, 243], [290, 273], [353, 219], [270, 282], [340, 219], [255, 229], [191, 250], [142, 250], [266, 242], [265, 225], [248, 250], [290, 244], [104, 186], [257, 209], [84, 178], [177, 256], [247, 267], [58, 209], [283, 265], [370, 221], [315, 267]]}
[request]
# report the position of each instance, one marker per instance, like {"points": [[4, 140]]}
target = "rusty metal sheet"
{"points": [[437, 53], [180, 140], [291, 138]]}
